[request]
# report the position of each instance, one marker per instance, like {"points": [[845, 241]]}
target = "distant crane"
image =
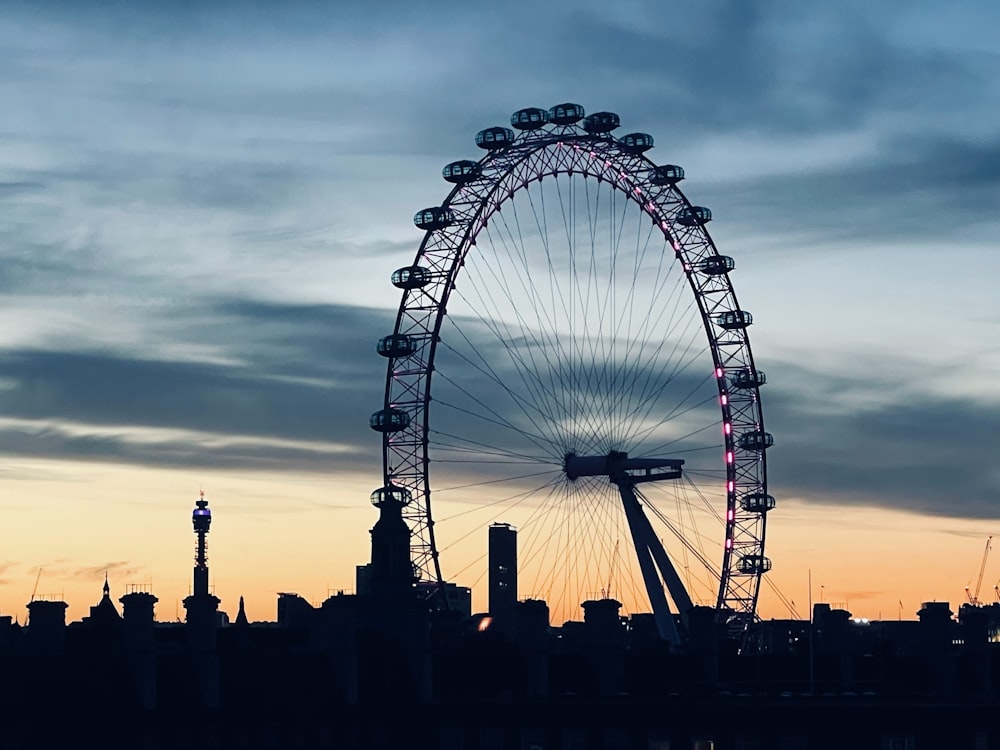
{"points": [[974, 596], [33, 592]]}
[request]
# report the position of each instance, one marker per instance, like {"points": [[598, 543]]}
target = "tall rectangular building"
{"points": [[503, 577]]}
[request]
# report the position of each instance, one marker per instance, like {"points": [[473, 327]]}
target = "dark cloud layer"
{"points": [[897, 445], [308, 374], [912, 190], [310, 379]]}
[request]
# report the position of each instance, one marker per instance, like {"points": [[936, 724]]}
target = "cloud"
{"points": [[11, 188], [840, 440], [291, 386], [906, 191], [6, 567], [119, 568], [860, 594]]}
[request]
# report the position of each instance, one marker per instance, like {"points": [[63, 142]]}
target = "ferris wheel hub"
{"points": [[619, 468]]}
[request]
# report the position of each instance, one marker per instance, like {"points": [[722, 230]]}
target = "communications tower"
{"points": [[202, 611], [201, 519]]}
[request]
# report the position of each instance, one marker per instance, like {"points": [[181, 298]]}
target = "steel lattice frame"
{"points": [[570, 150]]}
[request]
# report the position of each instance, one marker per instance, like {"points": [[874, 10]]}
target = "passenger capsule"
{"points": [[461, 172], [716, 265], [694, 216], [733, 320], [601, 122], [757, 440], [396, 345], [666, 174], [747, 379], [530, 118], [410, 277], [492, 139], [436, 217], [389, 420], [754, 564], [757, 502], [391, 493], [636, 143], [566, 114]]}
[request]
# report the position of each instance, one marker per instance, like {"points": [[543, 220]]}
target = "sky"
{"points": [[201, 205]]}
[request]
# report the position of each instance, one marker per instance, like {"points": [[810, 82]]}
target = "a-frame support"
{"points": [[654, 563]]}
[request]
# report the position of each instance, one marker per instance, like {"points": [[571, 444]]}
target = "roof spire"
{"points": [[107, 588], [241, 617]]}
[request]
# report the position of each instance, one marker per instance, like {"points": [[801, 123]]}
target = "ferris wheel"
{"points": [[569, 357]]}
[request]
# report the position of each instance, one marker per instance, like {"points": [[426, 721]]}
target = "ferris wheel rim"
{"points": [[460, 219]]}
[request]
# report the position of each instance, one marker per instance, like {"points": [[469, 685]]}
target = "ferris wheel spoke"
{"points": [[649, 359], [598, 344], [548, 573], [691, 434], [535, 439], [564, 305], [621, 301], [575, 326], [487, 302], [657, 366], [605, 239], [543, 342], [636, 338], [623, 324], [548, 315], [514, 457], [656, 381], [566, 300], [528, 407], [581, 532], [539, 393], [565, 357], [467, 441], [490, 415], [706, 504], [508, 502], [689, 506], [485, 482], [539, 530], [683, 539], [680, 407]]}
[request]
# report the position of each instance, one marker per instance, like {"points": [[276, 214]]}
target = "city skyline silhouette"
{"points": [[194, 303]]}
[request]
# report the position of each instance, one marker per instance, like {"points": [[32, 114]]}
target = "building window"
{"points": [[574, 739], [452, 738], [616, 739], [899, 742]]}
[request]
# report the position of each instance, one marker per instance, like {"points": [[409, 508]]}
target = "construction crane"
{"points": [[33, 592], [974, 596], [35, 589]]}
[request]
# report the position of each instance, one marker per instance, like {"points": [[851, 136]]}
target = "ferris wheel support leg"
{"points": [[640, 531], [679, 594]]}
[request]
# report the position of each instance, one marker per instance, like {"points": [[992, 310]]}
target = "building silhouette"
{"points": [[396, 665], [503, 577]]}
